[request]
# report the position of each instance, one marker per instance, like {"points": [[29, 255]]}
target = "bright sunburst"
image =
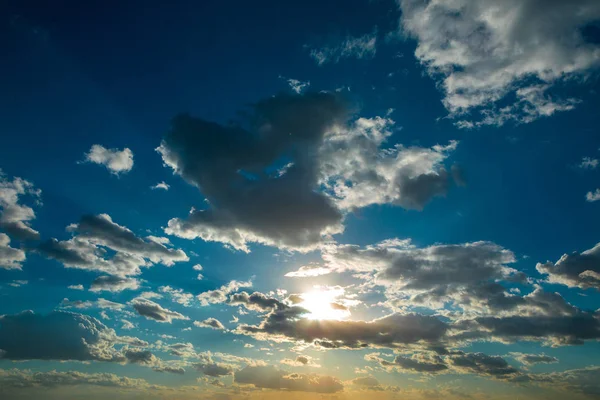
{"points": [[323, 304]]}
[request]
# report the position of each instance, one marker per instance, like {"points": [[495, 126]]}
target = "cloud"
{"points": [[177, 295], [10, 258], [593, 196], [160, 185], [269, 377], [287, 324], [154, 311], [100, 303], [75, 287], [127, 325], [212, 323], [366, 381], [532, 359], [296, 85], [112, 283], [421, 362], [308, 271], [96, 233], [361, 47], [575, 269], [288, 178], [301, 361], [21, 379], [588, 163], [60, 335], [115, 160], [256, 301], [499, 62], [483, 364], [15, 217], [218, 296]]}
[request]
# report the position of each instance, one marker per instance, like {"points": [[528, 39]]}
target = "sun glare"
{"points": [[323, 304]]}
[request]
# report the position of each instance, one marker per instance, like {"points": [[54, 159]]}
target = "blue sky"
{"points": [[392, 199]]}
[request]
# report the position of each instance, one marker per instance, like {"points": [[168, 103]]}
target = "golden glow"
{"points": [[322, 304]]}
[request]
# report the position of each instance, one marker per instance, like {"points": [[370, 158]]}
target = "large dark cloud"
{"points": [[59, 336], [269, 377], [288, 174], [94, 235], [575, 269], [286, 323], [256, 301]]}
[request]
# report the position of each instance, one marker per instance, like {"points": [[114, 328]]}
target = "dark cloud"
{"points": [[575, 269], [169, 369], [15, 217], [417, 363], [152, 310], [390, 331], [94, 234], [256, 301], [136, 356], [483, 364], [212, 323], [21, 379], [289, 175], [212, 368], [59, 335], [269, 377], [367, 381]]}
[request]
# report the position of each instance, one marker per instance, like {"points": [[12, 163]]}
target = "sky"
{"points": [[309, 200]]}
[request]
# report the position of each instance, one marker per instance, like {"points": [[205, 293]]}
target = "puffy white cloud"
{"points": [[15, 217], [10, 258], [160, 185], [220, 295], [361, 47], [75, 287], [593, 196], [115, 160], [177, 295], [588, 163], [500, 60], [155, 311]]}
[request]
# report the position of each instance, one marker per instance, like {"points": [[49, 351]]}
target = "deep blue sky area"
{"points": [[489, 167]]}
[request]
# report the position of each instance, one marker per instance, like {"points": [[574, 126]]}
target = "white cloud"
{"points": [[361, 47], [500, 60], [588, 163], [10, 258], [296, 85], [161, 185], [220, 295], [115, 160], [75, 287], [155, 311], [593, 196]]}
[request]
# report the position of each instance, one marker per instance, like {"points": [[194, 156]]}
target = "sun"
{"points": [[322, 304]]}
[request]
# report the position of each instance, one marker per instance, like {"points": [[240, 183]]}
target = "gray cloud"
{"points": [[219, 295], [532, 359], [154, 311], [483, 364], [269, 377], [144, 357], [10, 258], [256, 301], [94, 234], [113, 283], [15, 217], [21, 379], [483, 53], [331, 166], [575, 269], [59, 336]]}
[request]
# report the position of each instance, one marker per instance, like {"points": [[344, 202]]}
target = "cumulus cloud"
{"points": [[301, 361], [361, 47], [151, 310], [115, 160], [593, 196], [15, 217], [499, 61], [177, 295], [113, 283], [288, 176], [220, 295], [421, 362], [269, 377], [212, 323], [10, 258], [256, 301], [287, 324], [588, 163], [94, 234], [60, 335], [483, 364], [21, 379], [100, 303], [575, 269]]}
